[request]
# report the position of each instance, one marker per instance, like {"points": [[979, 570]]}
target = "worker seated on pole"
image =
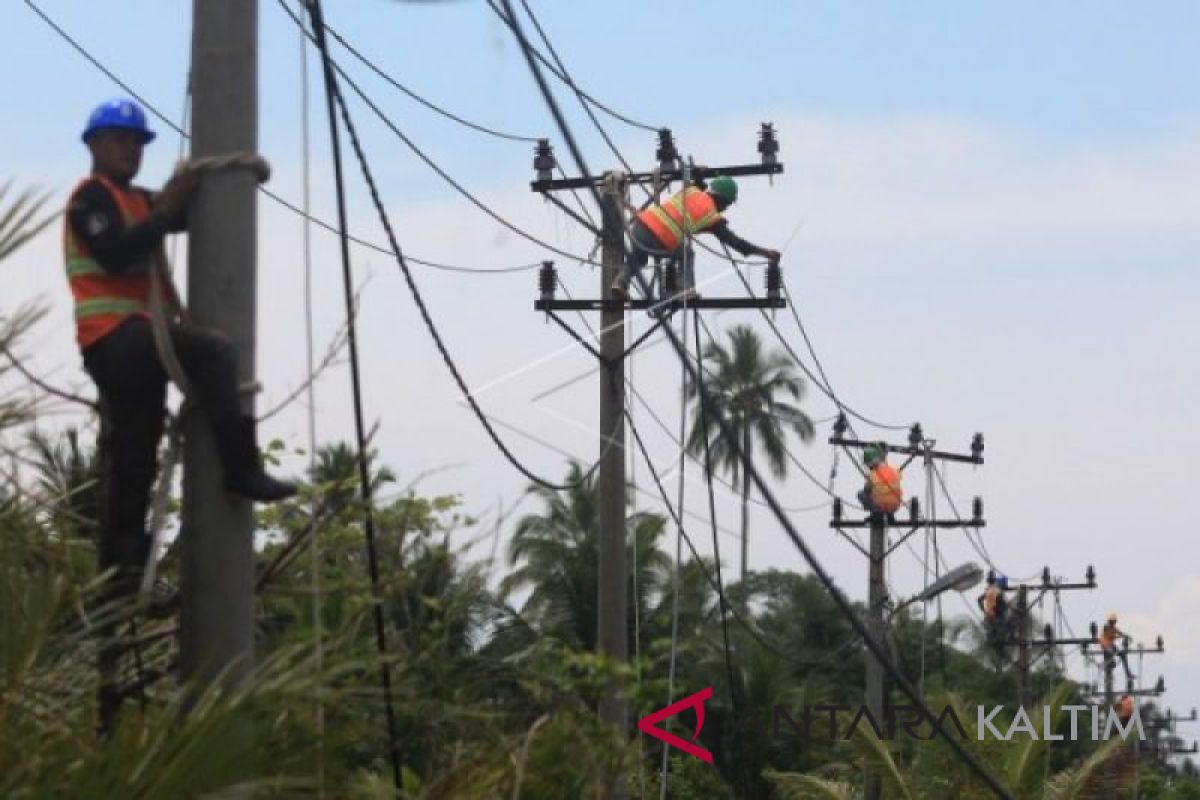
{"points": [[113, 237], [663, 230], [994, 606], [883, 493], [1125, 708], [1110, 634]]}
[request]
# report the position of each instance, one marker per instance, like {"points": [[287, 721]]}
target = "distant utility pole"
{"points": [[878, 524], [1024, 640], [612, 615], [217, 615]]}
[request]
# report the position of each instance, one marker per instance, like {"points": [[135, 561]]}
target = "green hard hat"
{"points": [[723, 187], [873, 454]]}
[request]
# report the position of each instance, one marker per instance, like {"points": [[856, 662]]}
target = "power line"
{"points": [[278, 199], [578, 93], [877, 648], [332, 96], [822, 382], [430, 326], [791, 457], [817, 361], [421, 154], [565, 78], [369, 64]]}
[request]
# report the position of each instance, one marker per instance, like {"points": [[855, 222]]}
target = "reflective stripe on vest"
{"points": [[107, 305], [102, 299], [886, 492], [689, 212]]}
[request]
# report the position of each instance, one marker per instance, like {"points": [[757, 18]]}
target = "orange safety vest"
{"points": [[1125, 707], [104, 300], [689, 212], [1108, 637], [990, 596], [886, 492]]}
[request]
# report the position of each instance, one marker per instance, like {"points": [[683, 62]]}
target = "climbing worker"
{"points": [[994, 605], [1107, 639], [662, 230], [113, 239], [1125, 708], [883, 492]]}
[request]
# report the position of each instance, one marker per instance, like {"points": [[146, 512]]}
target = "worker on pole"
{"points": [[663, 230], [994, 606], [113, 239], [1109, 635], [883, 493]]}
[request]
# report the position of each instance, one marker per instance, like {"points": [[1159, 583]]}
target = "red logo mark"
{"points": [[646, 724]]}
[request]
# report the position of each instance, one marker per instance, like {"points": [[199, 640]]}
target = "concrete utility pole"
{"points": [[1024, 690], [612, 632], [918, 446], [217, 616], [876, 597], [613, 620]]}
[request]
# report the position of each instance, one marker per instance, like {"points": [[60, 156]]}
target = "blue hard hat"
{"points": [[120, 113], [1002, 581]]}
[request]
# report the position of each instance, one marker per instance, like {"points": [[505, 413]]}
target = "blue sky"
{"points": [[999, 221]]}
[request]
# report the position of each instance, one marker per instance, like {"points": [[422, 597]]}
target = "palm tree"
{"points": [[69, 475], [556, 555], [749, 392]]}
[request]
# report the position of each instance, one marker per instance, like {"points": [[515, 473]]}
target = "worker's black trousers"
{"points": [[133, 390], [646, 244], [133, 393]]}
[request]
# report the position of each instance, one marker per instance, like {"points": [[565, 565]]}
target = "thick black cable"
{"points": [[429, 162], [267, 192], [821, 382], [575, 87], [364, 476], [791, 456], [817, 361], [725, 484], [877, 648], [717, 586], [430, 325], [565, 78], [583, 98], [976, 541], [513, 137]]}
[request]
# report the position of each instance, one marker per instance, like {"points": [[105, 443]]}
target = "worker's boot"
{"points": [[620, 289], [242, 461]]}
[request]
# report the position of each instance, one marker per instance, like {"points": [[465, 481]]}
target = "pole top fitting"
{"points": [[840, 426], [977, 447], [543, 160], [666, 153], [916, 435], [768, 145]]}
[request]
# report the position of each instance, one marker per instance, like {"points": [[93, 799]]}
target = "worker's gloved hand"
{"points": [[177, 191], [773, 257]]}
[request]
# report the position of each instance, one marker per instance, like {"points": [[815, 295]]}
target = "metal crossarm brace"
{"points": [[697, 173], [912, 451], [644, 304], [935, 523], [583, 342], [659, 322], [573, 214]]}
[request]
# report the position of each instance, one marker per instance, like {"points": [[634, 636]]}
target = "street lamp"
{"points": [[960, 579]]}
